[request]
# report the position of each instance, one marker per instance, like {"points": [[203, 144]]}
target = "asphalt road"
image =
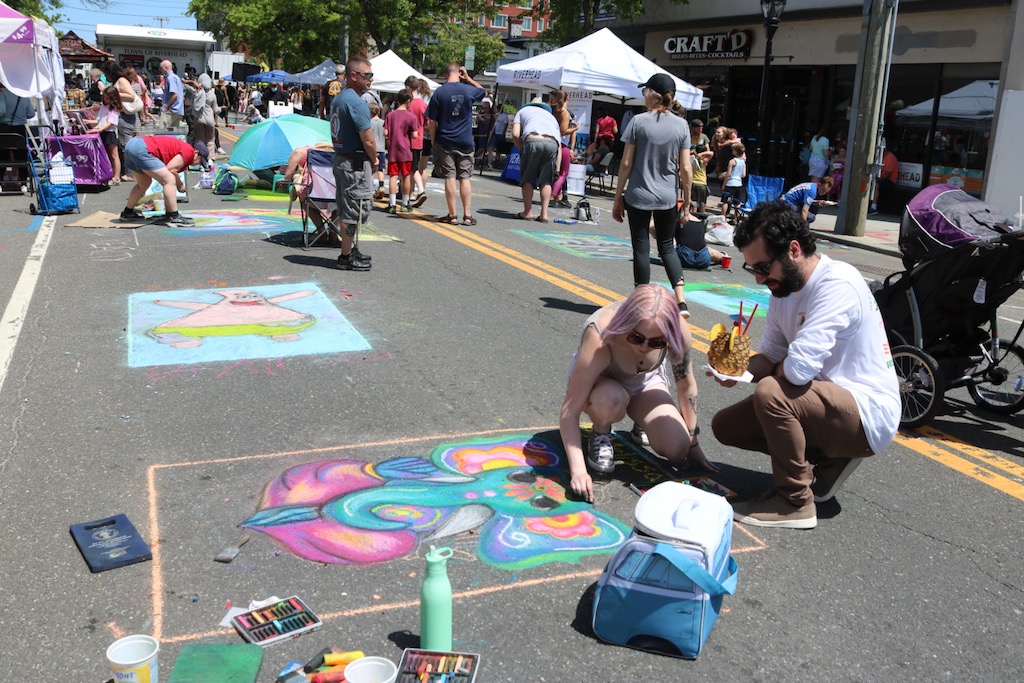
{"points": [[453, 348]]}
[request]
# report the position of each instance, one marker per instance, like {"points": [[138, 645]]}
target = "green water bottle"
{"points": [[436, 603]]}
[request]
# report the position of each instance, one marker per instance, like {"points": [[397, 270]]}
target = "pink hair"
{"points": [[649, 302]]}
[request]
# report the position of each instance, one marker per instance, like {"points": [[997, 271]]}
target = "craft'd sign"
{"points": [[731, 45]]}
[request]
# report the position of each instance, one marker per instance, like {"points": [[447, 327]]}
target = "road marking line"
{"points": [[973, 451], [17, 307], [976, 472]]}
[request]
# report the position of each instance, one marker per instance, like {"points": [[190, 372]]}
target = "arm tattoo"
{"points": [[693, 403], [682, 368]]}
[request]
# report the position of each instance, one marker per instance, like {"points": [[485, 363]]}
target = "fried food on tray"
{"points": [[730, 350]]}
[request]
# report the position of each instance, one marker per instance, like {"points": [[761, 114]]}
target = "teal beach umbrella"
{"points": [[270, 143]]}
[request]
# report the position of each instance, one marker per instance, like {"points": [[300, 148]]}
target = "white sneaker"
{"points": [[220, 150], [639, 436], [601, 457]]}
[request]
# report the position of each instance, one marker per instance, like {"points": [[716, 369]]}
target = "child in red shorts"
{"points": [[402, 128]]}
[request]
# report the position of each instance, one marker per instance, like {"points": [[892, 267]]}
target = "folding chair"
{"points": [[316, 194], [14, 157], [762, 189], [601, 172]]}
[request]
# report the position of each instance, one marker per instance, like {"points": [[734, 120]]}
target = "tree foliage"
{"points": [[452, 40], [291, 34], [302, 33], [566, 25], [48, 10]]}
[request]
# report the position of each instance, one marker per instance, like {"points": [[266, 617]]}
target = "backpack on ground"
{"points": [[224, 181]]}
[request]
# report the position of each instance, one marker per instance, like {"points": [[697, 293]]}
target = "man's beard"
{"points": [[791, 281]]}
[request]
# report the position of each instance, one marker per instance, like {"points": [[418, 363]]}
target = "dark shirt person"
{"points": [[332, 89], [354, 148], [450, 122]]}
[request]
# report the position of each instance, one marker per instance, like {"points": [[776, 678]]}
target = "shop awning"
{"points": [[74, 49]]}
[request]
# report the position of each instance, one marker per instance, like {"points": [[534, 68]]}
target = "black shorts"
{"points": [[416, 154], [427, 148]]}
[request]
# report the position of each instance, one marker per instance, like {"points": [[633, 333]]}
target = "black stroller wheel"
{"points": [[921, 385], [1000, 387]]}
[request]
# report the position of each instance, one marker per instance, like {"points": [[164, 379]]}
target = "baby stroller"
{"points": [[963, 259]]}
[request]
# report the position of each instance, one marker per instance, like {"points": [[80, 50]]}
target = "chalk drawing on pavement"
{"points": [[201, 326], [726, 298], [267, 221], [506, 489], [584, 244]]}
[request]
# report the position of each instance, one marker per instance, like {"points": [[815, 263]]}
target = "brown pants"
{"points": [[798, 427]]}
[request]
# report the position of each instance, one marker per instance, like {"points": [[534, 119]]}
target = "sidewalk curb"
{"points": [[858, 244]]}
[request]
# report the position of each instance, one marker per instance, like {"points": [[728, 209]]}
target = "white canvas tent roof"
{"points": [[30, 63], [970, 107], [601, 62], [390, 72]]}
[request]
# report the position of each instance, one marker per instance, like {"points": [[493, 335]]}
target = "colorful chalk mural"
{"points": [[266, 221], [269, 321], [726, 298], [585, 244], [506, 489]]}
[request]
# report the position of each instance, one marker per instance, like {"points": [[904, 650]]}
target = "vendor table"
{"points": [[86, 152]]}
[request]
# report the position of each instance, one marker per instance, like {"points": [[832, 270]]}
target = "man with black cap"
{"points": [[697, 136]]}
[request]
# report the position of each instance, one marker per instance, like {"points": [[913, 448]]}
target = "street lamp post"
{"points": [[772, 11]]}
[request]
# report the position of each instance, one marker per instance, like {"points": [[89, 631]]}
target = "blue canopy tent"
{"points": [[276, 76], [318, 75]]}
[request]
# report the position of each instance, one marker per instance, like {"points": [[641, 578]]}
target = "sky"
{"points": [[82, 18]]}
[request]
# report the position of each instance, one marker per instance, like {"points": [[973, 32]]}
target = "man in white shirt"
{"points": [[536, 133], [827, 395]]}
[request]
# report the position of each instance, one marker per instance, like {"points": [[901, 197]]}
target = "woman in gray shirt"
{"points": [[656, 165]]}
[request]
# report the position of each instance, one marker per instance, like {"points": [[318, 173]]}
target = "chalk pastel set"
{"points": [[287, 619], [430, 666]]}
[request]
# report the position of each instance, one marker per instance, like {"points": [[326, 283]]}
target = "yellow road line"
{"points": [[589, 291], [986, 457], [954, 462]]}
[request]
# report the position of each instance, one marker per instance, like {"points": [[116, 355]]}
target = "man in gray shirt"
{"points": [[536, 133]]}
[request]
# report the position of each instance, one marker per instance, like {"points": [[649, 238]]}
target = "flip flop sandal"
{"points": [[468, 220], [520, 216], [450, 220]]}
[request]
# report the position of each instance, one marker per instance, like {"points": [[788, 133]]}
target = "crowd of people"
{"points": [[826, 394]]}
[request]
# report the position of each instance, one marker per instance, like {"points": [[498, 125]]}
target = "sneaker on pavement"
{"points": [[132, 215], [359, 256], [405, 208], [421, 198], [639, 436], [829, 478], [350, 263], [378, 193], [601, 457], [220, 150], [772, 510], [873, 211], [392, 209], [178, 221]]}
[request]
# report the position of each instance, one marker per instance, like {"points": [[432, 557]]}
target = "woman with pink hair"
{"points": [[619, 370]]}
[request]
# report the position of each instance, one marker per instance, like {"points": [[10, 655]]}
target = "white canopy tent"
{"points": [[30, 62], [390, 72], [601, 62], [968, 108]]}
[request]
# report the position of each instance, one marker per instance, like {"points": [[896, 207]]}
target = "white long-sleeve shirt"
{"points": [[832, 330]]}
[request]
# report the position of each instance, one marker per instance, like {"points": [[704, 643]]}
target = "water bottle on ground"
{"points": [[436, 602]]}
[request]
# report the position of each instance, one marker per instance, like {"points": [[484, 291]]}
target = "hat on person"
{"points": [[660, 83], [696, 123], [339, 69], [203, 151], [538, 103]]}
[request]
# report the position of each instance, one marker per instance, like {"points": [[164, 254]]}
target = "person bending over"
{"points": [[620, 369]]}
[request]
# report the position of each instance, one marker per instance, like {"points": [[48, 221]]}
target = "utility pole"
{"points": [[161, 20], [870, 84]]}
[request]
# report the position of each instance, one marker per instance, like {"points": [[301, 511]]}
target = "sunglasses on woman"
{"points": [[636, 339]]}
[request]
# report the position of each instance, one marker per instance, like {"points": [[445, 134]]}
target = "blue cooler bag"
{"points": [[662, 590]]}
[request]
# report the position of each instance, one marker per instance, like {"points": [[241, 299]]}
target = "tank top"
{"points": [[614, 370], [736, 175]]}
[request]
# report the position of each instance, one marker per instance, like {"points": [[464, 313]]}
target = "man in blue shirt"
{"points": [[173, 108], [450, 122], [803, 196], [354, 147]]}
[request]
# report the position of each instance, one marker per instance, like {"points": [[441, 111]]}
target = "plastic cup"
{"points": [[134, 659], [726, 261], [371, 670]]}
